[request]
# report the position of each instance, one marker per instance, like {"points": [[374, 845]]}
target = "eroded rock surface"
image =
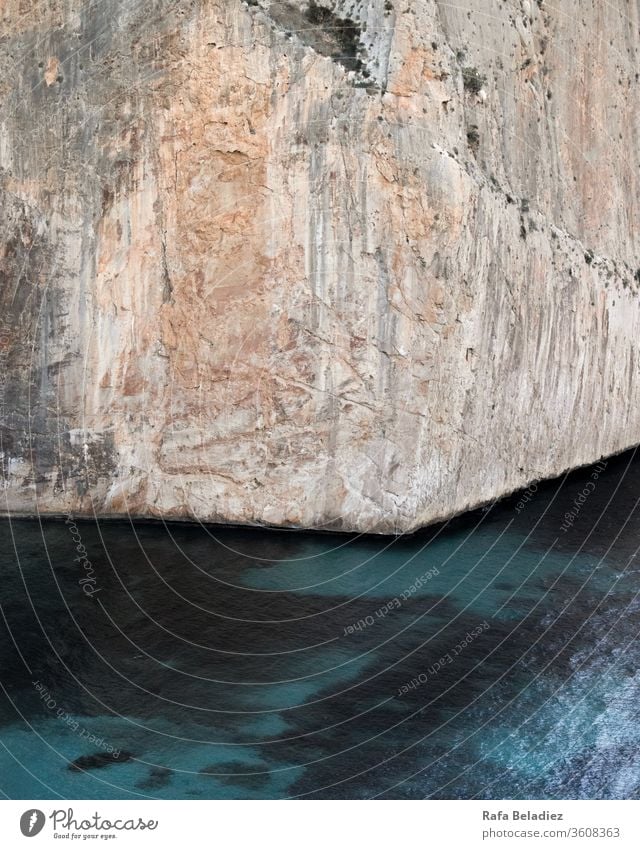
{"points": [[337, 264]]}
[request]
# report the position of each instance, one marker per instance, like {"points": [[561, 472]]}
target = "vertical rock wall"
{"points": [[355, 265]]}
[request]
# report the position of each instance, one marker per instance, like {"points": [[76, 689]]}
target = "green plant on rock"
{"points": [[473, 80], [473, 138]]}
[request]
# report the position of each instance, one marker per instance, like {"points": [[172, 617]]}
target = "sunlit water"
{"points": [[494, 658]]}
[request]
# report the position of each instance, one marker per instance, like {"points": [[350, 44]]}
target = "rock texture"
{"points": [[353, 264]]}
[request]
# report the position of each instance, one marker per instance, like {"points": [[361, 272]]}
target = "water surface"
{"points": [[494, 657]]}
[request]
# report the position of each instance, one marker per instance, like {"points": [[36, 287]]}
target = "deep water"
{"points": [[492, 657]]}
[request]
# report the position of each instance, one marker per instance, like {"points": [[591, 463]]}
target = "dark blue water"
{"points": [[495, 657]]}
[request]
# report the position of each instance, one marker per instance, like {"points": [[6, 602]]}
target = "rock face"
{"points": [[345, 264]]}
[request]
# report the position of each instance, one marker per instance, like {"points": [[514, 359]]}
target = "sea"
{"points": [[495, 656]]}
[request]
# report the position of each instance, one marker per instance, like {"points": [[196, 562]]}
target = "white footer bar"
{"points": [[321, 824]]}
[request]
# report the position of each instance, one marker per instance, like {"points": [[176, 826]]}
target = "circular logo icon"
{"points": [[32, 822]]}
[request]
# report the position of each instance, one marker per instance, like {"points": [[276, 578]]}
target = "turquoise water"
{"points": [[494, 657]]}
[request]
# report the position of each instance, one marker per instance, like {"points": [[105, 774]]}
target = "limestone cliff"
{"points": [[359, 264]]}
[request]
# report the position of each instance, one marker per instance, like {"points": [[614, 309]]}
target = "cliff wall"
{"points": [[354, 265]]}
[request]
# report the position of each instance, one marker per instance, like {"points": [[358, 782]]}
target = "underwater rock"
{"points": [[99, 760]]}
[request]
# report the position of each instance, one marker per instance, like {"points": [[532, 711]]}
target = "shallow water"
{"points": [[494, 657]]}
